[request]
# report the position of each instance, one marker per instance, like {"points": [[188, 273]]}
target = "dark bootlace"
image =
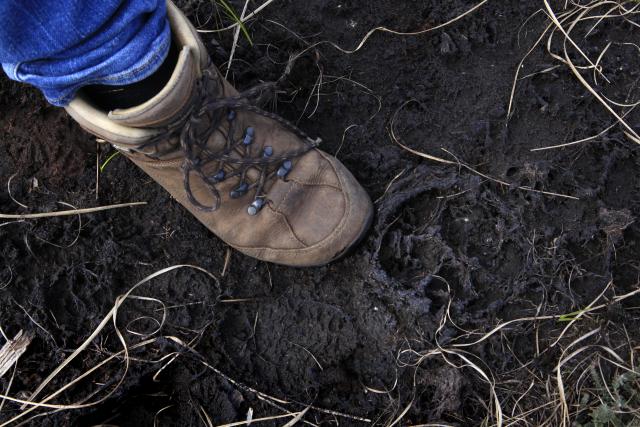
{"points": [[204, 118]]}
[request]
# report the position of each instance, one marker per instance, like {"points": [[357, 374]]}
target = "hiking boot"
{"points": [[251, 177]]}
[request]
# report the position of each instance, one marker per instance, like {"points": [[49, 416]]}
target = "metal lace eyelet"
{"points": [[256, 206], [231, 116], [248, 136], [239, 191], [219, 177], [267, 151], [284, 169]]}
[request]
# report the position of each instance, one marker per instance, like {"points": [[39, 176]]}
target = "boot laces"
{"points": [[206, 116]]}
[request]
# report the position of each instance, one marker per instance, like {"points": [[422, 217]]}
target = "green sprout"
{"points": [[234, 17], [106, 162], [569, 317]]}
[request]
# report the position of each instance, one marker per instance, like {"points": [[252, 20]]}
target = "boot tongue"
{"points": [[171, 103]]}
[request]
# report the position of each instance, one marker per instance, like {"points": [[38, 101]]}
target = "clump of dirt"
{"points": [[451, 254]]}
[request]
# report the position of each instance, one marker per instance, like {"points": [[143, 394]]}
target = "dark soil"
{"points": [[332, 336]]}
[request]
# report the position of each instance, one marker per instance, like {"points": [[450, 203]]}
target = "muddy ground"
{"points": [[352, 338]]}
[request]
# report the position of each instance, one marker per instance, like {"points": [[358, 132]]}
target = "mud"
{"points": [[445, 239]]}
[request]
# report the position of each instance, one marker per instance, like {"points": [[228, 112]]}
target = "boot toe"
{"points": [[326, 209]]}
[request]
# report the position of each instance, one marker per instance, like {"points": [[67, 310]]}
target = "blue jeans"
{"points": [[59, 46]]}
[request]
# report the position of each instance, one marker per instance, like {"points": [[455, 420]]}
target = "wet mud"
{"points": [[344, 338]]}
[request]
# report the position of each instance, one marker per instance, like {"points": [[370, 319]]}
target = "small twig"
{"points": [[35, 322], [411, 33], [310, 354], [257, 420], [77, 234], [227, 260], [97, 170], [7, 283], [9, 192], [12, 350], [344, 135], [8, 390], [386, 190], [70, 212]]}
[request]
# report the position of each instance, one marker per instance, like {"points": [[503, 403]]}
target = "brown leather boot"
{"points": [[251, 177]]}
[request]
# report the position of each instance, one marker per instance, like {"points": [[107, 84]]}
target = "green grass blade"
{"points": [[106, 162], [234, 17], [570, 316]]}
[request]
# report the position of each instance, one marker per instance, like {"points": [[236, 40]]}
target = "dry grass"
{"points": [[529, 397], [595, 380], [590, 373], [132, 340], [460, 164], [11, 351], [573, 25], [70, 212]]}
